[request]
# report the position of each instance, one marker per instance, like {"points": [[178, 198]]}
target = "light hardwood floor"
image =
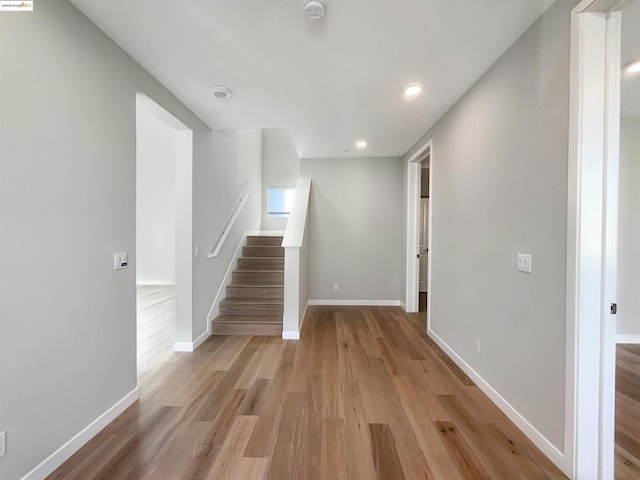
{"points": [[156, 326], [628, 412], [363, 395]]}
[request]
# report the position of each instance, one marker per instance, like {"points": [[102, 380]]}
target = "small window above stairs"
{"points": [[254, 300]]}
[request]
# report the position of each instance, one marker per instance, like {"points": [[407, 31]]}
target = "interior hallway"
{"points": [[364, 394], [627, 412]]}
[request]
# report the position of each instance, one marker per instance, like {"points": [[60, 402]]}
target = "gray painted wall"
{"points": [[355, 228], [67, 203], [280, 168], [628, 318], [155, 201], [499, 188]]}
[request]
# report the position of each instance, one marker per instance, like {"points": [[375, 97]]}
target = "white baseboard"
{"points": [[57, 458], [357, 303], [628, 339], [158, 283], [191, 346], [403, 305], [539, 440], [183, 346]]}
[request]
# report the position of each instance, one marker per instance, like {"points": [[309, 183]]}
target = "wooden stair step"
{"points": [[251, 306], [261, 263], [264, 241], [265, 277], [260, 251], [254, 290], [247, 325], [249, 319]]}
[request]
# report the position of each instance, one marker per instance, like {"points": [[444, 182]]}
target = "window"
{"points": [[279, 201]]}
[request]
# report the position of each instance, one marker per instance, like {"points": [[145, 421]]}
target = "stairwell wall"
{"points": [[355, 229]]}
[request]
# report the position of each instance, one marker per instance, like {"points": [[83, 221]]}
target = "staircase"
{"points": [[254, 301]]}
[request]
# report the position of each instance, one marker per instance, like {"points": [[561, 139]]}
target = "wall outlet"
{"points": [[336, 287], [3, 444], [477, 346], [524, 263]]}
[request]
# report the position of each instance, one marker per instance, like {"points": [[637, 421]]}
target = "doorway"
{"points": [[163, 259], [423, 278], [418, 284]]}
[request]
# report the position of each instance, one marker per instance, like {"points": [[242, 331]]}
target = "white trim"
{"points": [[239, 203], [413, 235], [290, 335], [628, 339], [591, 264], [356, 303], [158, 283], [191, 346], [201, 339], [183, 346], [403, 305], [538, 439], [57, 458]]}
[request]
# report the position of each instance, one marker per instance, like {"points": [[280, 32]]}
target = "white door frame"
{"points": [[592, 238], [413, 227]]}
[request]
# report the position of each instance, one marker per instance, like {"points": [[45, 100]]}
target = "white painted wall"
{"points": [[280, 168], [628, 318], [499, 188], [355, 228], [155, 201], [67, 203]]}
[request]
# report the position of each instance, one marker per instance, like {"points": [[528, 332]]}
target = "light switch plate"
{"points": [[120, 260], [524, 262]]}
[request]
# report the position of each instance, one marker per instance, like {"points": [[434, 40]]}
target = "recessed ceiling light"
{"points": [[412, 89], [221, 92], [632, 67], [361, 143]]}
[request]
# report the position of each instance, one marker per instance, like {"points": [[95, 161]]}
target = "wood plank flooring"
{"points": [[155, 325], [363, 395], [627, 454]]}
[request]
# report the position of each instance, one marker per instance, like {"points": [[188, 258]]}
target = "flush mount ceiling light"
{"points": [[412, 89], [632, 67], [221, 92], [361, 144], [314, 10]]}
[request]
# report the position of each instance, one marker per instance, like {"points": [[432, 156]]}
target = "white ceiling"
{"points": [[329, 83], [630, 101]]}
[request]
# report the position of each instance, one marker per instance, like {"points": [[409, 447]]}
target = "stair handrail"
{"points": [[238, 204]]}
